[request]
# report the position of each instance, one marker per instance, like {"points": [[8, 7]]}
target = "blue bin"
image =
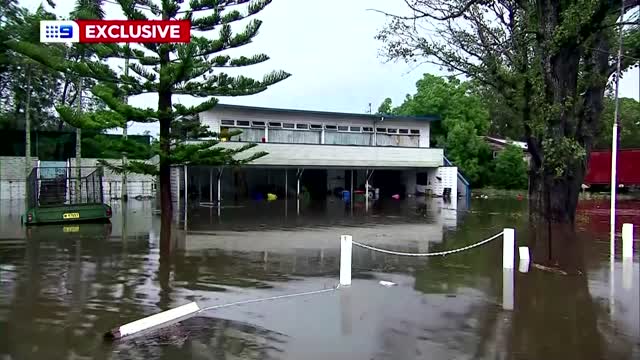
{"points": [[346, 196]]}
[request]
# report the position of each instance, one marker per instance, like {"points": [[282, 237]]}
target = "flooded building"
{"points": [[315, 154]]}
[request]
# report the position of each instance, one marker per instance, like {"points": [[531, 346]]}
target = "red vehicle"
{"points": [[599, 168]]}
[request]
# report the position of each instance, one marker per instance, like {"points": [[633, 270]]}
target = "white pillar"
{"points": [[178, 188], [627, 240], [266, 133], [286, 184], [508, 245], [345, 259]]}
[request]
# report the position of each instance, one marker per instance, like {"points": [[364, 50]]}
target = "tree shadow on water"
{"points": [[203, 338]]}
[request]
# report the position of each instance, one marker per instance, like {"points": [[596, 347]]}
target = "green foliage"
{"points": [[386, 107], [510, 170], [629, 124], [465, 119]]}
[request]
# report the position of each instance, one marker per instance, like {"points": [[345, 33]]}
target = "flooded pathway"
{"points": [[62, 287]]}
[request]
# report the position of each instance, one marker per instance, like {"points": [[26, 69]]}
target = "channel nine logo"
{"points": [[115, 31]]}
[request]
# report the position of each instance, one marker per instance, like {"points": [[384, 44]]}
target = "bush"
{"points": [[510, 170]]}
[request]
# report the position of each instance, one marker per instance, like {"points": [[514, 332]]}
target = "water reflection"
{"points": [[62, 287]]}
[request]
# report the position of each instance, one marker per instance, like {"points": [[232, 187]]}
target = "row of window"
{"points": [[317, 127]]}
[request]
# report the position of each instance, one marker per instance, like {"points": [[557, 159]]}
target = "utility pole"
{"points": [[614, 141]]}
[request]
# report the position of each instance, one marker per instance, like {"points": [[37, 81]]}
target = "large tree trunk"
{"points": [[78, 186]]}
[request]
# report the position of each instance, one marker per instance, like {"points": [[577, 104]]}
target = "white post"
{"points": [[525, 259], [345, 259], [627, 241], [286, 185], [508, 245]]}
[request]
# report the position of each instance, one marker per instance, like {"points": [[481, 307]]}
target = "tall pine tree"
{"points": [[168, 70]]}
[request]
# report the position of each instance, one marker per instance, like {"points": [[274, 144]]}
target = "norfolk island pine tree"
{"points": [[170, 69]]}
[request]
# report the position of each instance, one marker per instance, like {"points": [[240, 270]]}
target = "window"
{"points": [[302, 126], [404, 131], [381, 130], [331, 127], [392, 131], [316, 127], [243, 123], [258, 123], [343, 128], [415, 132], [367, 129], [228, 122], [355, 128], [288, 126], [275, 125]]}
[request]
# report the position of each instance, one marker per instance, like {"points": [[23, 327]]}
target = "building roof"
{"points": [[505, 142], [326, 113]]}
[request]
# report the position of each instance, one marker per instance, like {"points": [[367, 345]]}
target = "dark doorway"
{"points": [[315, 182], [389, 182]]}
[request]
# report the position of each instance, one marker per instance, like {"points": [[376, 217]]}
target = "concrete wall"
{"points": [[12, 179], [12, 176], [213, 119]]}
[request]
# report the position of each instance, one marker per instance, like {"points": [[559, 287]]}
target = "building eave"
{"points": [[370, 117]]}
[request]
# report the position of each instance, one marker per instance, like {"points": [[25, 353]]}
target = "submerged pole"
{"points": [[211, 185]]}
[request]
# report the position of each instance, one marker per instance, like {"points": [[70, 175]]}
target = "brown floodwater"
{"points": [[62, 287]]}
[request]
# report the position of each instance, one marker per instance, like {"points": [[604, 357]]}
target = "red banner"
{"points": [[134, 31]]}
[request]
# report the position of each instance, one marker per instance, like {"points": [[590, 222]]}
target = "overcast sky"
{"points": [[329, 48]]}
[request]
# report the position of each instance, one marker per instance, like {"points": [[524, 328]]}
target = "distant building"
{"points": [[322, 152], [498, 145]]}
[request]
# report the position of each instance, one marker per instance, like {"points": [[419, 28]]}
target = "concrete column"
{"points": [[219, 186], [211, 185], [366, 190], [351, 193], [266, 133]]}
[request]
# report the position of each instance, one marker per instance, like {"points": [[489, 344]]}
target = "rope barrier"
{"points": [[267, 299], [440, 253]]}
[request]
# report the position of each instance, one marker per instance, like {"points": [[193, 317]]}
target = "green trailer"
{"points": [[58, 195]]}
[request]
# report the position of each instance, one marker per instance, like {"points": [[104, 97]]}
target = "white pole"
{"points": [[627, 241], [508, 244], [186, 182], [614, 141], [286, 185], [525, 259], [345, 259], [178, 189], [153, 320]]}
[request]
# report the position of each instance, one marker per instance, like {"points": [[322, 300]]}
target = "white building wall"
{"points": [[212, 118], [443, 177]]}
